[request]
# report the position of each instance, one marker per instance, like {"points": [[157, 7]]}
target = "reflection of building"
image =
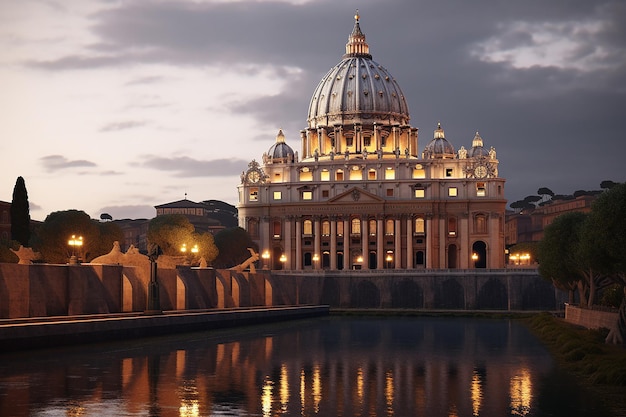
{"points": [[358, 194]]}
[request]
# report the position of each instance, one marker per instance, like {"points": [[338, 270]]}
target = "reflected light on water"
{"points": [[266, 397], [359, 385], [389, 392], [476, 392], [302, 391], [284, 388], [317, 388], [521, 393]]}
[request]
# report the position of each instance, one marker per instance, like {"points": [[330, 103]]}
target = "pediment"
{"points": [[356, 195]]}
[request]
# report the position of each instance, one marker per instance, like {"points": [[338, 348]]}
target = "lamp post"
{"points": [[194, 250], [316, 259], [74, 242], [282, 260], [389, 258], [266, 257], [359, 262], [475, 258]]}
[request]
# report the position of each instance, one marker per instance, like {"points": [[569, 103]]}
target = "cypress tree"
{"points": [[20, 213]]}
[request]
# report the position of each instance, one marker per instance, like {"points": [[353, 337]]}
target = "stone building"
{"points": [[358, 194]]}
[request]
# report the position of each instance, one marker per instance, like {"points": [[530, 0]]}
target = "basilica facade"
{"points": [[358, 195]]}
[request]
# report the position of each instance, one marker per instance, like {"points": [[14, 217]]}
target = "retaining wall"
{"points": [[590, 319]]}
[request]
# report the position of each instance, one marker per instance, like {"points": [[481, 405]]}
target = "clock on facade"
{"points": [[253, 176], [480, 171]]}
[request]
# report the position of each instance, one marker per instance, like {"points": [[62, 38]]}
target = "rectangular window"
{"points": [[389, 192], [306, 176], [390, 174], [307, 195], [367, 140], [419, 173], [452, 192], [371, 174], [254, 194], [420, 193], [278, 195], [356, 174], [349, 141], [448, 172], [325, 193], [340, 228], [325, 175], [480, 189], [339, 175]]}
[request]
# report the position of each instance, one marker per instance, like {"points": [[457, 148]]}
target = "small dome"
{"points": [[477, 148], [280, 151], [439, 147]]}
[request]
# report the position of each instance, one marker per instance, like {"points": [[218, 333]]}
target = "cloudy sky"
{"points": [[118, 106]]}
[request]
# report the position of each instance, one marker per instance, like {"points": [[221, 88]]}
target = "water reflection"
{"points": [[326, 367]]}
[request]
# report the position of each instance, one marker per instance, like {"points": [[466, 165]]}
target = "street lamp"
{"points": [[193, 251], [74, 242], [282, 260], [389, 258], [316, 258], [266, 257], [475, 258]]}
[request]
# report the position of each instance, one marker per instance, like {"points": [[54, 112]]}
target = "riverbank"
{"points": [[583, 354]]}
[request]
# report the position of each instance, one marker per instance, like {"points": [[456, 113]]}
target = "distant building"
{"points": [[359, 195], [5, 221]]}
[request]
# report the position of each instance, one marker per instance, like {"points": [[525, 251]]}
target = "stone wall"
{"points": [[41, 290], [590, 319]]}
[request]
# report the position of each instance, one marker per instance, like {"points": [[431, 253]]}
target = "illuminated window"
{"points": [[390, 174], [325, 175], [452, 192], [306, 175], [356, 226], [419, 172], [356, 173], [339, 175], [325, 228], [339, 228], [278, 195], [307, 227], [371, 174], [419, 225], [480, 189], [389, 226], [254, 194], [420, 193], [372, 227], [307, 195]]}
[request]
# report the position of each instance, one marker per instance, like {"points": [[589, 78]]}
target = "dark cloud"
{"points": [[559, 125], [188, 167], [53, 163]]}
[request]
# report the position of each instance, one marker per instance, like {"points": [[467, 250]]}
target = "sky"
{"points": [[117, 106]]}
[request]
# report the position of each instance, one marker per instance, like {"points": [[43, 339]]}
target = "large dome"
{"points": [[357, 90]]}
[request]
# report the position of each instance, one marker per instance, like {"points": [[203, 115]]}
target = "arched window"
{"points": [[325, 228], [371, 227], [452, 226], [419, 225], [307, 227], [389, 226], [355, 226]]}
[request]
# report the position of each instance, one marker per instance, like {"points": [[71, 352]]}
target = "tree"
{"points": [[233, 244], [51, 238], [607, 184], [171, 231], [107, 234], [543, 191], [106, 217], [605, 242], [20, 214]]}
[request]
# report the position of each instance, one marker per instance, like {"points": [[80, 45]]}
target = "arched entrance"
{"points": [[373, 264], [479, 254], [452, 256]]}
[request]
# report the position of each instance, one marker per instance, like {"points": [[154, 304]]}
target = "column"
{"points": [[346, 243], [316, 241], [299, 243], [364, 243], [429, 245], [288, 237], [398, 244], [409, 242], [265, 234], [380, 235], [333, 243]]}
